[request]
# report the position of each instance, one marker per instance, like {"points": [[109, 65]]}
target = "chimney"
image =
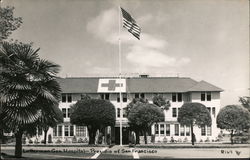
{"points": [[143, 76]]}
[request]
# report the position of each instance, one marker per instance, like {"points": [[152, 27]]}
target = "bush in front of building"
{"points": [[191, 114], [233, 118], [96, 114]]}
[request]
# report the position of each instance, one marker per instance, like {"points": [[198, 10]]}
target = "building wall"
{"points": [[169, 119]]}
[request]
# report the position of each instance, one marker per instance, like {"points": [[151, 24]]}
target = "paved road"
{"points": [[124, 152]]}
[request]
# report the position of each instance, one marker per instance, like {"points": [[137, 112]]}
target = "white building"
{"points": [[177, 90]]}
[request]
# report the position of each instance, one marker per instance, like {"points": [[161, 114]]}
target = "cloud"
{"points": [[150, 51]]}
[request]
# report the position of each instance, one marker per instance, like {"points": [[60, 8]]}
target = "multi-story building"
{"points": [[177, 90]]}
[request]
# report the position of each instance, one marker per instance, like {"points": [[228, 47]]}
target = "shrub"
{"points": [[80, 140], [58, 141], [152, 138], [201, 140], [172, 140], [74, 140], [24, 140], [207, 140], [179, 140], [165, 140], [185, 140], [30, 141]]}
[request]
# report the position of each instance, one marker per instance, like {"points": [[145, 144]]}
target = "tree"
{"points": [[160, 101], [245, 101], [27, 82], [143, 116], [93, 113], [233, 118], [49, 118], [8, 22], [191, 114]]}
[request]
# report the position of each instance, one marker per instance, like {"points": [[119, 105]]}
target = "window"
{"points": [[105, 96], [118, 112], [66, 130], [203, 130], [142, 95], [213, 111], [69, 112], [63, 98], [176, 129], [209, 131], [187, 130], [174, 114], [156, 129], [59, 130], [40, 131], [124, 95], [55, 131], [80, 131], [118, 97], [208, 96], [173, 97], [124, 113], [203, 97], [137, 95], [209, 109], [179, 97], [167, 129], [64, 112], [66, 98], [182, 130], [69, 98], [162, 129], [71, 133]]}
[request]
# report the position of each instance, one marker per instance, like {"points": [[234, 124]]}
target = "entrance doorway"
{"points": [[125, 135]]}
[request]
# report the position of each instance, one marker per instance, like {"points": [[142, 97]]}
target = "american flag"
{"points": [[130, 24]]}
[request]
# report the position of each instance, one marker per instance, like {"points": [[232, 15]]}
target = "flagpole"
{"points": [[120, 74]]}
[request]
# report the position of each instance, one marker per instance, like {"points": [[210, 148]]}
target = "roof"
{"points": [[204, 86], [138, 85]]}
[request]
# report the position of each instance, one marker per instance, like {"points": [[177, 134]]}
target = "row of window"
{"points": [[175, 111], [179, 130], [80, 131], [176, 97]]}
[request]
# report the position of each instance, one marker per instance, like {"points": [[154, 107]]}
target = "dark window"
{"points": [[209, 109], [66, 130], [59, 130], [102, 96], [55, 131], [187, 130], [179, 97], [156, 129], [203, 97], [118, 97], [64, 112], [124, 95], [63, 98], [182, 130], [178, 109], [167, 129], [136, 95], [142, 95], [124, 112], [208, 96], [173, 97], [176, 129], [71, 131], [69, 112], [162, 129], [213, 111], [118, 112], [209, 131], [107, 96], [174, 114], [203, 130], [69, 98]]}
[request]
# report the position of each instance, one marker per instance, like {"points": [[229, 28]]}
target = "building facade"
{"points": [[177, 90]]}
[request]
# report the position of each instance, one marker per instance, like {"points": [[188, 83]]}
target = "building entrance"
{"points": [[125, 135]]}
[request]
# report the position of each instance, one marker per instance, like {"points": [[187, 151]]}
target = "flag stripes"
{"points": [[130, 24]]}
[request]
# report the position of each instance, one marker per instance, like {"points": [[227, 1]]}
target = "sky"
{"points": [[201, 39]]}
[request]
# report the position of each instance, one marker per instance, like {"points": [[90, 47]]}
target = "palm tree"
{"points": [[28, 84]]}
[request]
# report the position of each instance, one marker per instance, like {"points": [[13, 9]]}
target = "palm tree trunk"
{"points": [[92, 134], [18, 147], [192, 134], [45, 136], [137, 137]]}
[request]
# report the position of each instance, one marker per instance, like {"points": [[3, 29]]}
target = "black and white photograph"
{"points": [[124, 79]]}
